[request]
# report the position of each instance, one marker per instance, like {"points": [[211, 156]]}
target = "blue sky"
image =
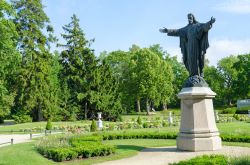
{"points": [[117, 24]]}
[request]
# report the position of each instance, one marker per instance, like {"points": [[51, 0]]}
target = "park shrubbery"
{"points": [[230, 110], [71, 147], [243, 110], [235, 138], [139, 135]]}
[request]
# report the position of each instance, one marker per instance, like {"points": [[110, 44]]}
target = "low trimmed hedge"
{"points": [[139, 135], [243, 110], [162, 135], [235, 138], [74, 147]]}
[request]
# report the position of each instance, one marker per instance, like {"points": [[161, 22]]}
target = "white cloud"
{"points": [[225, 47], [234, 6]]}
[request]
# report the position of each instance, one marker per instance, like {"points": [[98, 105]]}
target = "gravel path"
{"points": [[5, 139], [165, 155]]}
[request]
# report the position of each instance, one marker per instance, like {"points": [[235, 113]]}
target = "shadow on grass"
{"points": [[165, 149], [130, 147]]}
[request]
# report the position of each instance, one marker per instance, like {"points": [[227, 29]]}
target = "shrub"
{"points": [[236, 117], [243, 110], [145, 125], [139, 120], [70, 147], [119, 118], [205, 159], [93, 126], [49, 125], [22, 118], [230, 110]]}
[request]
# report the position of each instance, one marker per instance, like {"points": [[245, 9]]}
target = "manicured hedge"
{"points": [[75, 147], [139, 135], [243, 110], [235, 138], [163, 135]]}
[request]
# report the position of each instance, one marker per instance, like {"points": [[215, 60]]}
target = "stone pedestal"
{"points": [[198, 130]]}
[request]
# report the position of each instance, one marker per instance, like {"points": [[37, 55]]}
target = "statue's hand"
{"points": [[163, 30], [212, 20]]}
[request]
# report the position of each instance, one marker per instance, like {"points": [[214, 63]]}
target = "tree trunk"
{"points": [[164, 106], [147, 106], [138, 105], [86, 111]]}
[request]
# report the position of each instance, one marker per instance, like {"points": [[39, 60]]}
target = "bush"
{"points": [[70, 147], [230, 110], [145, 125], [22, 118], [119, 118], [236, 117], [49, 125], [93, 126], [205, 159], [243, 110], [139, 120]]}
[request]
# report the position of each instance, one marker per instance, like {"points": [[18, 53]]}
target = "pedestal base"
{"points": [[198, 144], [198, 131]]}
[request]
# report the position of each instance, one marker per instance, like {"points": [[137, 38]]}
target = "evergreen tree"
{"points": [[9, 59], [107, 97], [36, 89], [79, 66]]}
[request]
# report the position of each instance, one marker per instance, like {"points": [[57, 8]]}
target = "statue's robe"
{"points": [[193, 44]]}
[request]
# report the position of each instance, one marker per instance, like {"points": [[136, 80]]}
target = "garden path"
{"points": [[165, 155]]}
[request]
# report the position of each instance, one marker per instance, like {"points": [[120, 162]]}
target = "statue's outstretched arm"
{"points": [[163, 30]]}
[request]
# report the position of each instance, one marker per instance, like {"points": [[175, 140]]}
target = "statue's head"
{"points": [[191, 19]]}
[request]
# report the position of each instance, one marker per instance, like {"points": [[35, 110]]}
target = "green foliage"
{"points": [[139, 135], [236, 117], [36, 88], [230, 110], [22, 118], [235, 138], [244, 160], [145, 125], [9, 59], [243, 110], [205, 159], [228, 73], [70, 147], [241, 85], [180, 75], [49, 125], [139, 121], [1, 120], [93, 126]]}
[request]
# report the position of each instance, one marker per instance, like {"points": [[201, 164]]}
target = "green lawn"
{"points": [[25, 153]]}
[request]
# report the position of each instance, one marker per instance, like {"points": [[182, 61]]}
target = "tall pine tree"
{"points": [[79, 66], [36, 88]]}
